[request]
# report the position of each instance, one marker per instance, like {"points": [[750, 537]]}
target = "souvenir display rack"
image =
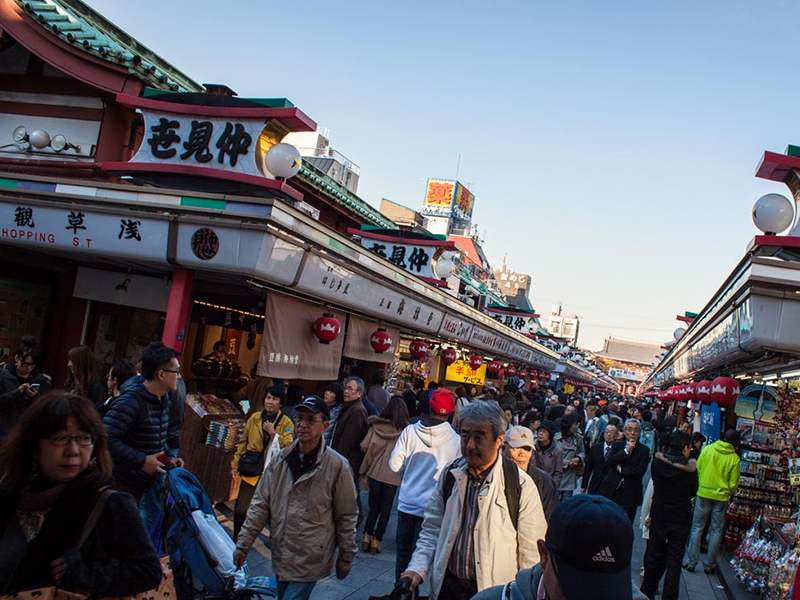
{"points": [[208, 462], [766, 560]]}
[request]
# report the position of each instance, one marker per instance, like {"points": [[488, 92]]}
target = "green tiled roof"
{"points": [[82, 27], [342, 196]]}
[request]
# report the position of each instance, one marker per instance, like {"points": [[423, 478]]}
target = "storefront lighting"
{"points": [[773, 213], [772, 377], [40, 139], [283, 160], [790, 374], [228, 309]]}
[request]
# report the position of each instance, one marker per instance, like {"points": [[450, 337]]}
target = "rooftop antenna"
{"points": [[458, 165]]}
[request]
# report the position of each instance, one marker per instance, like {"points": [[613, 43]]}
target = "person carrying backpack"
{"points": [[649, 433], [484, 517]]}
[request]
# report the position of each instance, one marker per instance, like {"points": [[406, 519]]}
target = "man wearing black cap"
{"points": [[586, 555], [308, 498]]}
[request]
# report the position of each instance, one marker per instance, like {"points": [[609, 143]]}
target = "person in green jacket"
{"points": [[718, 471]]}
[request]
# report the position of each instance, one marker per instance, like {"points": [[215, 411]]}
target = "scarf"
{"points": [[35, 502]]}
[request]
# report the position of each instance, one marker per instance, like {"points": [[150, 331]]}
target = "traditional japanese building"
{"points": [[628, 362]]}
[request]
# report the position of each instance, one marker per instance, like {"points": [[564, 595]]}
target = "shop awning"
{"points": [[264, 239]]}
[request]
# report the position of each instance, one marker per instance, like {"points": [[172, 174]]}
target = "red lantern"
{"points": [[381, 341], [724, 391], [475, 362], [511, 371], [449, 356], [418, 349], [704, 391], [671, 393], [522, 373], [327, 328], [691, 391], [493, 367]]}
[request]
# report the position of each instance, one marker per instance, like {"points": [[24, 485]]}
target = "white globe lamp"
{"points": [[678, 333], [40, 139], [772, 213], [283, 160], [444, 267]]}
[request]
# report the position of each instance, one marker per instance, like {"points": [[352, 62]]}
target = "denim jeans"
{"points": [[295, 590], [703, 509], [381, 499], [408, 528]]}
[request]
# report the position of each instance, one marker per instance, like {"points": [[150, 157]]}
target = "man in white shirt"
{"points": [[420, 453]]}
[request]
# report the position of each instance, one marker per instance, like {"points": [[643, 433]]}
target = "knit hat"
{"points": [[442, 401], [550, 426]]}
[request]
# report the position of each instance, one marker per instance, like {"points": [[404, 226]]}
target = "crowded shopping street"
{"points": [[235, 364]]}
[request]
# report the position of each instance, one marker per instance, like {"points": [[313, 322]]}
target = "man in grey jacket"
{"points": [[308, 498]]}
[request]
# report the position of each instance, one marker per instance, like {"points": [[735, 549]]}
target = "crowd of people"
{"points": [[497, 491]]}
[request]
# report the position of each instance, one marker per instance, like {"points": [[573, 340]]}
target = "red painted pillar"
{"points": [[178, 307]]}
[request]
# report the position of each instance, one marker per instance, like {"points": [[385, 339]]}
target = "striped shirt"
{"points": [[462, 559]]}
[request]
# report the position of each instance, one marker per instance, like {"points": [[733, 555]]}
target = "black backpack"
{"points": [[512, 487]]}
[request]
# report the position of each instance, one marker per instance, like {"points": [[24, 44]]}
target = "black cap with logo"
{"points": [[591, 540], [316, 405]]}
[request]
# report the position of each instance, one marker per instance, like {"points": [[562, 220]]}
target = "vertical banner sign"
{"points": [[710, 422]]}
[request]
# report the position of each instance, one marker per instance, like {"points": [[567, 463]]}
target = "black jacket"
{"points": [[351, 429], [546, 486], [674, 487], [12, 402], [594, 468], [116, 560], [624, 486], [137, 425]]}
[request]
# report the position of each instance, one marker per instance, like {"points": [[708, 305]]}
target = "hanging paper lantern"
{"points": [[327, 328], [724, 391], [381, 341], [418, 349], [449, 356], [475, 362], [704, 391], [671, 393], [680, 392], [522, 373], [511, 371], [493, 367], [691, 391]]}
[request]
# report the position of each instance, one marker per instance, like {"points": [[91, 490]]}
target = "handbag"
{"points": [[252, 462], [164, 591], [401, 591]]}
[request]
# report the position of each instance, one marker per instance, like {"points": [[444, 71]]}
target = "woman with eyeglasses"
{"points": [[248, 462], [20, 383], [57, 467]]}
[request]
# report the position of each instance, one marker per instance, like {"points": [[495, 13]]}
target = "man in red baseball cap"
{"points": [[420, 454]]}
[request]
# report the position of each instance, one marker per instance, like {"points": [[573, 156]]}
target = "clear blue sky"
{"points": [[611, 145]]}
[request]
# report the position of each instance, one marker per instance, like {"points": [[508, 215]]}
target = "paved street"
{"points": [[373, 575]]}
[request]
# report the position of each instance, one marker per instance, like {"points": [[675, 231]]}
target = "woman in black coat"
{"points": [[57, 464]]}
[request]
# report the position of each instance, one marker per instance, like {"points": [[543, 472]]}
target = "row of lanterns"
{"points": [[722, 390], [327, 328]]}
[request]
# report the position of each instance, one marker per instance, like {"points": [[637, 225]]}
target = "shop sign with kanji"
{"points": [[461, 372], [75, 229], [417, 256], [518, 321], [219, 143], [446, 197]]}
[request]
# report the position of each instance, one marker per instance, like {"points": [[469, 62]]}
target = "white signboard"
{"points": [[518, 322], [325, 279], [208, 142], [234, 250], [455, 328], [417, 260], [627, 374], [489, 341], [123, 235]]}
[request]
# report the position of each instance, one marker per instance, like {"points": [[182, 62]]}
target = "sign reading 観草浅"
{"points": [[80, 230], [210, 142]]}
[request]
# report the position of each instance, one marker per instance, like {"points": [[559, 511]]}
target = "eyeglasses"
{"points": [[171, 371], [84, 439], [352, 388], [306, 420]]}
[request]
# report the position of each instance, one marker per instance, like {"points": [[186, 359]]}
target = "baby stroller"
{"points": [[200, 550]]}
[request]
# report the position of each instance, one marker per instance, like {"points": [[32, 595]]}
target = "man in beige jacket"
{"points": [[308, 498], [484, 517]]}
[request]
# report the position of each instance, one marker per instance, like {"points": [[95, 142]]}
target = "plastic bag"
{"points": [[220, 546]]}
